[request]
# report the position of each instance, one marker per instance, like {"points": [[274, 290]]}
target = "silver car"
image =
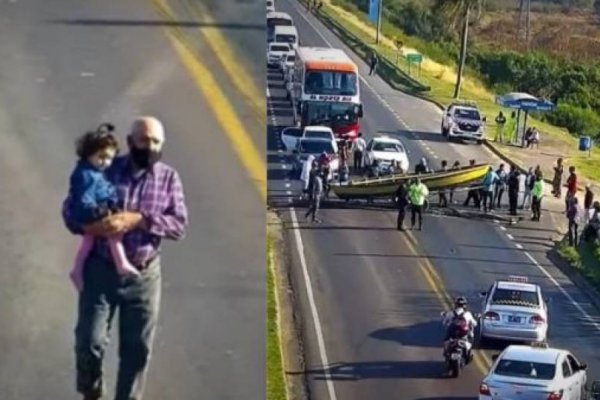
{"points": [[534, 373], [514, 309]]}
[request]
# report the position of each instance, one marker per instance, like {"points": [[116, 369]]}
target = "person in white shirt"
{"points": [[358, 149], [460, 312]]}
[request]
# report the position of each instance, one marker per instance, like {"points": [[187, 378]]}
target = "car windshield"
{"points": [[515, 298], [467, 113], [269, 3], [329, 114], [285, 38], [316, 147], [318, 134], [291, 58], [388, 146], [331, 82], [525, 369], [280, 48]]}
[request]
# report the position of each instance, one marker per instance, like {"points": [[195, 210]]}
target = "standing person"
{"points": [[514, 181], [422, 167], [455, 167], [573, 215], [311, 180], [343, 151], [373, 61], [538, 171], [443, 192], [401, 203], [529, 181], [511, 128], [93, 197], [588, 203], [559, 170], [500, 185], [537, 193], [344, 172], [358, 148], [317, 192], [417, 194], [305, 174], [571, 187], [487, 191], [500, 122], [151, 193]]}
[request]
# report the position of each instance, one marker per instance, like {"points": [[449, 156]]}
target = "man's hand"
{"points": [[116, 224]]}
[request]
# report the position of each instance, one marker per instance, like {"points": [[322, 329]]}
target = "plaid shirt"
{"points": [[157, 195]]}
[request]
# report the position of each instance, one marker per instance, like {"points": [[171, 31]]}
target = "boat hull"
{"points": [[387, 186]]}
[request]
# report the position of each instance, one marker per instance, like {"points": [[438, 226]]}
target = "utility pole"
{"points": [[380, 6], [528, 23], [520, 25]]}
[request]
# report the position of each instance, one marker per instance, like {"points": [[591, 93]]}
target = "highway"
{"points": [[66, 66], [370, 296]]}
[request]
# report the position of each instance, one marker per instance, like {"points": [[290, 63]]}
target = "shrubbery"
{"points": [[572, 86]]}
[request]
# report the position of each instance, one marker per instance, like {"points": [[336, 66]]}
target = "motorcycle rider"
{"points": [[454, 321]]}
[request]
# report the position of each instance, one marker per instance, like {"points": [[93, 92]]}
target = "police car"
{"points": [[535, 372], [514, 309]]}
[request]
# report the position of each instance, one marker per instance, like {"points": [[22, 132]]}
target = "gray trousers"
{"points": [[138, 300]]}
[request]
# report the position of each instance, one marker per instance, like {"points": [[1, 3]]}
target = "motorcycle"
{"points": [[456, 356]]}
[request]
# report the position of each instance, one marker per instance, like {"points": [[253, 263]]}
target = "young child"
{"points": [[93, 197]]}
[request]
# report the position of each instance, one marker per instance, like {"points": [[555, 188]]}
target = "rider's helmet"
{"points": [[460, 301]]}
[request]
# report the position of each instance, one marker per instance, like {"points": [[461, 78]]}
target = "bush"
{"points": [[579, 121]]}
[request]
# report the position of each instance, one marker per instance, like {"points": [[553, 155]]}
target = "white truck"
{"points": [[463, 121]]}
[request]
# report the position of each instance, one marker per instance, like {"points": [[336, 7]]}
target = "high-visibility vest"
{"points": [[417, 194], [538, 189]]}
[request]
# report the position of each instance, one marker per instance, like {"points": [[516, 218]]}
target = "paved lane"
{"points": [[58, 79], [378, 292]]}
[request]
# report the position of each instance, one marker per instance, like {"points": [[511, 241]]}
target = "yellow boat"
{"points": [[387, 186]]}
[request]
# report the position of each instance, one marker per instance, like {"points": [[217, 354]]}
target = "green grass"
{"points": [[585, 259], [275, 379], [441, 90]]}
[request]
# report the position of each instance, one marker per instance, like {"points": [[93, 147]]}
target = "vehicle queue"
{"points": [[323, 87]]}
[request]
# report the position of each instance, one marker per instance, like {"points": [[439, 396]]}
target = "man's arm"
{"points": [[170, 224]]}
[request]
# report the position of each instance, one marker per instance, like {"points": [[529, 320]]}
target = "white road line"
{"points": [[511, 237], [280, 151], [519, 246], [288, 192], [564, 292], [313, 306], [435, 156], [287, 185], [284, 166], [503, 228]]}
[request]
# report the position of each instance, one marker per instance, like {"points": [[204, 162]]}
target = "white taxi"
{"points": [[514, 309], [535, 372]]}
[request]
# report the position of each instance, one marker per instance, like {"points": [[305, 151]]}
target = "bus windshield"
{"points": [[330, 114], [331, 82]]}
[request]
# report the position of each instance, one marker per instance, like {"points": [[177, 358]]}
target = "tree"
{"points": [[457, 14]]}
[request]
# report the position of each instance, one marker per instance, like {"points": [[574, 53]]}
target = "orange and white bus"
{"points": [[324, 90]]}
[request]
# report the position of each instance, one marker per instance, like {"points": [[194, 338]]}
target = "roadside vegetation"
{"points": [[488, 71], [585, 259], [276, 388]]}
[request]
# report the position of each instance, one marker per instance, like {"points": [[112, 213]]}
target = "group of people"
{"points": [[314, 176], [414, 195], [508, 130]]}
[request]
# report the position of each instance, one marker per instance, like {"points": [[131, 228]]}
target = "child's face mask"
{"points": [[102, 159]]}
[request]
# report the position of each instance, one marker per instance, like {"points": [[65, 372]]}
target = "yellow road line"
{"points": [[224, 113], [235, 70], [437, 286]]}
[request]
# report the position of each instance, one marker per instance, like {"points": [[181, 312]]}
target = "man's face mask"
{"points": [[143, 157]]}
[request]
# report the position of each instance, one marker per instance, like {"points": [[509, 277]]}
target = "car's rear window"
{"points": [[525, 369], [387, 146], [280, 48], [515, 298], [318, 134]]}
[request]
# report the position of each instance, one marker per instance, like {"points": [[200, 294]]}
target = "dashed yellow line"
{"points": [[435, 282], [223, 112]]}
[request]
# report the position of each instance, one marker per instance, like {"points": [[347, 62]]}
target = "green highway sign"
{"points": [[414, 58]]}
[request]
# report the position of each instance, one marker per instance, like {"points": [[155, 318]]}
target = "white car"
{"points": [[270, 6], [386, 149], [276, 51], [514, 309], [291, 136], [463, 121], [535, 372], [287, 63], [315, 147]]}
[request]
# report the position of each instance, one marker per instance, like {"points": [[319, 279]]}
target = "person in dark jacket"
{"points": [[500, 185], [444, 192], [588, 204], [513, 189], [373, 61], [401, 203]]}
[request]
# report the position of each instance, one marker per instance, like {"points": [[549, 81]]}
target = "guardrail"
{"points": [[386, 68]]}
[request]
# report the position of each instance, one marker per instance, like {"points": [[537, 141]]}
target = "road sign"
{"points": [[414, 58], [373, 10]]}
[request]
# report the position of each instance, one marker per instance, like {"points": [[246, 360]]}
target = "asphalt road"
{"points": [[67, 65], [378, 292]]}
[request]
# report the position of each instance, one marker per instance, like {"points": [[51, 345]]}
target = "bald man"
{"points": [[151, 195]]}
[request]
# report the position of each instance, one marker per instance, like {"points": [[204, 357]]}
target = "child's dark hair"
{"points": [[93, 141]]}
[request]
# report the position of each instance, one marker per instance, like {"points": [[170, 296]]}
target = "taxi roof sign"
{"points": [[539, 345], [518, 278]]}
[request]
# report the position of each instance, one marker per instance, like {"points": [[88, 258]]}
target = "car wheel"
{"points": [[444, 131]]}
